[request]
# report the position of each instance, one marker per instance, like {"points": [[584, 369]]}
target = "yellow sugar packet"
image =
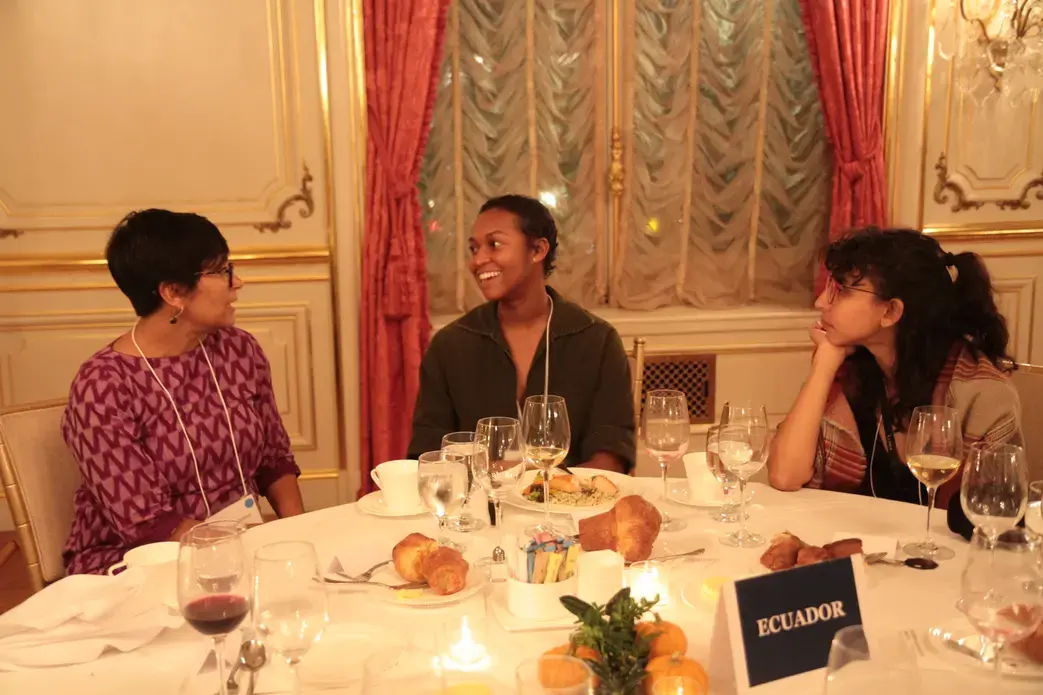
{"points": [[539, 570], [553, 565], [568, 567]]}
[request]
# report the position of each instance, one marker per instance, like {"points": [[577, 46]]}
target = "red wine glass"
{"points": [[213, 587]]}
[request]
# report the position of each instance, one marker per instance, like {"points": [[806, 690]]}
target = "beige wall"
{"points": [[218, 108]]}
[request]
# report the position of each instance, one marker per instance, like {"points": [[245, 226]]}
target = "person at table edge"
{"points": [[903, 324], [140, 484], [488, 361]]}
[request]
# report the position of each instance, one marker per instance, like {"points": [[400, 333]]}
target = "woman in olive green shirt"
{"points": [[488, 361]]}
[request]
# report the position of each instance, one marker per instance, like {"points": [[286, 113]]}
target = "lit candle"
{"points": [[466, 651], [648, 580]]}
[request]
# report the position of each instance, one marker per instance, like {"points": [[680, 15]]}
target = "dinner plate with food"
{"points": [[579, 488]]}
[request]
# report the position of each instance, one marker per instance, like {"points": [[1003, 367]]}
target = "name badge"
{"points": [[245, 510], [780, 625]]}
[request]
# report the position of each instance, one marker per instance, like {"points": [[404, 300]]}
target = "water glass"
{"points": [[1034, 511], [403, 670], [1000, 590], [555, 674], [442, 484], [743, 450], [933, 448], [729, 510], [290, 604], [665, 426], [466, 445], [546, 436], [213, 588], [994, 488], [498, 461], [852, 669]]}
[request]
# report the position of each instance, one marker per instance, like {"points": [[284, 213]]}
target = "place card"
{"points": [[778, 625]]}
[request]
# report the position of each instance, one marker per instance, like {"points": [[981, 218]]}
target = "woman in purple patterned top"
{"points": [[145, 478]]}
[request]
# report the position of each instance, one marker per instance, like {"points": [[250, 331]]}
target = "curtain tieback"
{"points": [[855, 169], [399, 286]]}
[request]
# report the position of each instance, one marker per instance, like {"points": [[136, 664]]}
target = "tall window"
{"points": [[678, 143]]}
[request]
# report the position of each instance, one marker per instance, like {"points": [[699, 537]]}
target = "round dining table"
{"points": [[903, 603]]}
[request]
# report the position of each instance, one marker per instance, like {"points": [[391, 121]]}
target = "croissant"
{"points": [[445, 571], [409, 555], [630, 528]]}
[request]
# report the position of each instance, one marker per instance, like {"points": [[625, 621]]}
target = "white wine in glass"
{"points": [[933, 449], [546, 436], [665, 426]]}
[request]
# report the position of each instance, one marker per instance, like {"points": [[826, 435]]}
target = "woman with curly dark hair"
{"points": [[903, 324]]}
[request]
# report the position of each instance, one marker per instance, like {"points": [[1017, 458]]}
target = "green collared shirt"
{"points": [[468, 373]]}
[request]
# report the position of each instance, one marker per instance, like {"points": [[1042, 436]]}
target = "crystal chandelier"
{"points": [[996, 47]]}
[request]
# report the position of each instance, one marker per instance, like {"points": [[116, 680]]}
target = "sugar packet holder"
{"points": [[544, 559]]}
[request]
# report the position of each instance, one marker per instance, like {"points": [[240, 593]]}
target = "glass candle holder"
{"points": [[464, 643], [649, 579]]}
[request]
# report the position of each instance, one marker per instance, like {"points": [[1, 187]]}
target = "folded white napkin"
{"points": [[77, 618]]}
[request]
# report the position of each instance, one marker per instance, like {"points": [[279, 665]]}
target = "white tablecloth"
{"points": [[899, 598]]}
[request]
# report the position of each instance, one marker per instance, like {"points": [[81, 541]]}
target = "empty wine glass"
{"points": [[212, 583], [1000, 591], [932, 447], [546, 436], [554, 674], [666, 425], [994, 489], [498, 462], [289, 600], [744, 451], [852, 669], [1034, 512], [728, 513], [464, 443], [442, 484]]}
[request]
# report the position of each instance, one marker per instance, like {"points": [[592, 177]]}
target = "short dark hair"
{"points": [[534, 220], [150, 247]]}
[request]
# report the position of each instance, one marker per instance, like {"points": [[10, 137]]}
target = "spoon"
{"points": [[663, 558], [252, 656], [230, 685]]}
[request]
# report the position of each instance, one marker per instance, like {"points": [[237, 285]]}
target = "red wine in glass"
{"points": [[217, 614]]}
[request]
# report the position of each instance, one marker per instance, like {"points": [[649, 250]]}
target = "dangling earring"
{"points": [[173, 319]]}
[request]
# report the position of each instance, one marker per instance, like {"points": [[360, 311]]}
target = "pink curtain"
{"points": [[404, 41], [847, 40]]}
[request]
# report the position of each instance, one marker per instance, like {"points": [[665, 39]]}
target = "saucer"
{"points": [[681, 493], [373, 504]]}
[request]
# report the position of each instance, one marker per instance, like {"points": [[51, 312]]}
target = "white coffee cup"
{"points": [[702, 485], [600, 575], [398, 480], [158, 563]]}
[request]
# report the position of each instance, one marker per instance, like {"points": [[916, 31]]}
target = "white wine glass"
{"points": [[464, 444], [290, 604], [728, 513], [994, 488], [743, 449], [498, 462], [1034, 512], [442, 484], [1000, 591], [666, 425], [933, 448], [213, 585], [546, 436]]}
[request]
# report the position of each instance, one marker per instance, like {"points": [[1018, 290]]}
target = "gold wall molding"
{"points": [[962, 202], [259, 280], [11, 233], [320, 474], [250, 256], [302, 197]]}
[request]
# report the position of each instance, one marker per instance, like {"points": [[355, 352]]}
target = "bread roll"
{"points": [[445, 571], [409, 555], [844, 548], [811, 555], [630, 528], [782, 553]]}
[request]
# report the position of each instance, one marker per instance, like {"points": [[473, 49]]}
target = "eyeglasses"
{"points": [[833, 289], [228, 270]]}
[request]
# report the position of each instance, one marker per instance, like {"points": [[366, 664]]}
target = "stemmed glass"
{"points": [[546, 436], [442, 484], [666, 425], [289, 600], [465, 444], [498, 459], [1034, 513], [213, 588], [994, 489], [851, 668], [728, 512], [1000, 589], [554, 674], [933, 448], [744, 451]]}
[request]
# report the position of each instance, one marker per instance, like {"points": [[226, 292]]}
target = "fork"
{"points": [[395, 587], [365, 576]]}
